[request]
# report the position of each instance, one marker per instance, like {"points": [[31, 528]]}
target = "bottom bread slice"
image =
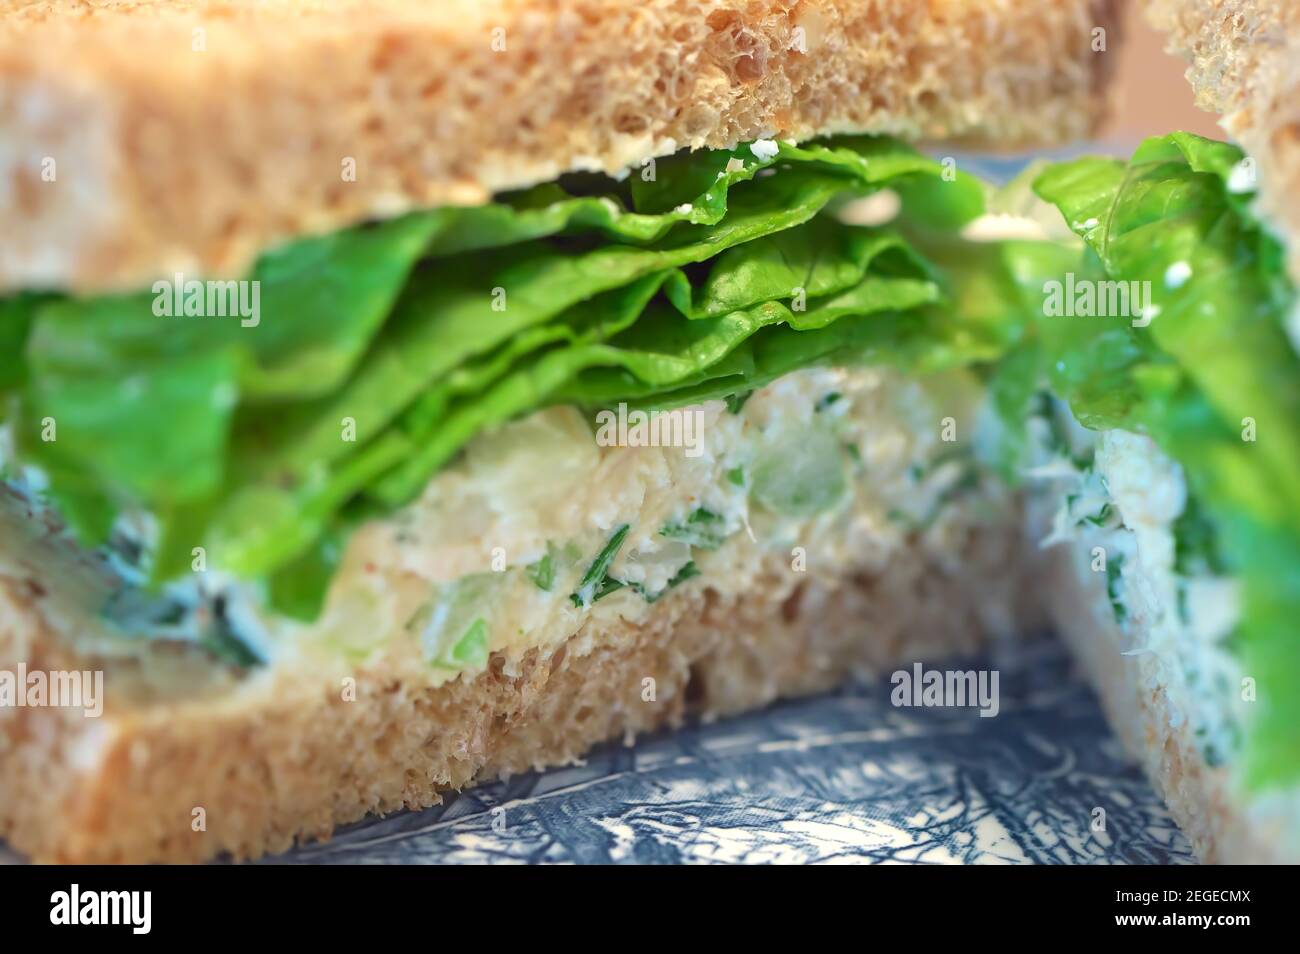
{"points": [[130, 788]]}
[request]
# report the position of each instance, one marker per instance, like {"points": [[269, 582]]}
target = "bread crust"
{"points": [[190, 136], [290, 759], [1244, 63]]}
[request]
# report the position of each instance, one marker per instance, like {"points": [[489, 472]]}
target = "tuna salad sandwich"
{"points": [[395, 396]]}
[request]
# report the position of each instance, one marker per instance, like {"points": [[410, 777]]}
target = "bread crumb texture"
{"points": [[143, 137], [1245, 64]]}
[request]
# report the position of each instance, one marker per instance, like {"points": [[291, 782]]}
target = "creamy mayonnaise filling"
{"points": [[1121, 502], [827, 467]]}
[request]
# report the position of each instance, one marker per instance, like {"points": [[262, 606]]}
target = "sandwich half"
{"points": [[399, 396], [1195, 668]]}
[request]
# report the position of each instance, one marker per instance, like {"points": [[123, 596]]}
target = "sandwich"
{"points": [[401, 396]]}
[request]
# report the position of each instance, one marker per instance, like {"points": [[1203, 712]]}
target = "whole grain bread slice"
{"points": [[143, 137]]}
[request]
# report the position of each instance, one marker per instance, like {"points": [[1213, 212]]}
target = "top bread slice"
{"points": [[139, 138], [1245, 65]]}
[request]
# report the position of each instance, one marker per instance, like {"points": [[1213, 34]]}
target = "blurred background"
{"points": [[1152, 97]]}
